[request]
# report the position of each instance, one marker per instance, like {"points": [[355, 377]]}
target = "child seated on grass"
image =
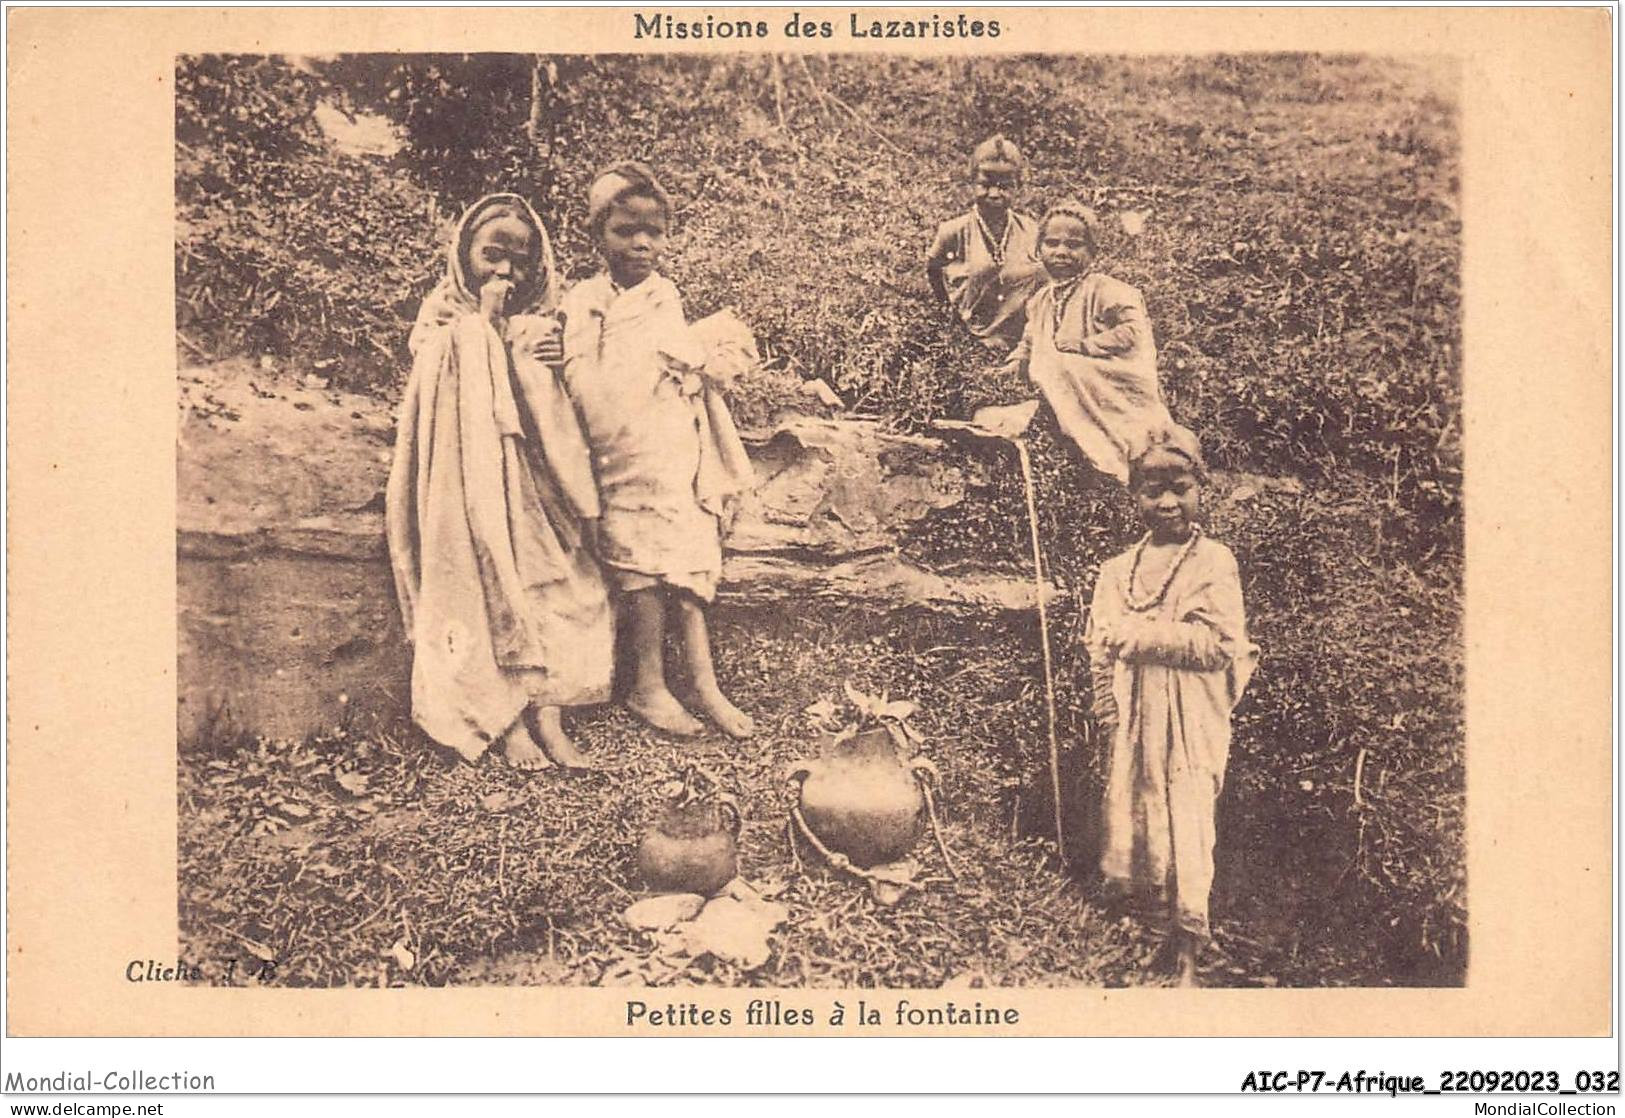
{"points": [[667, 457], [1169, 657], [490, 487], [1088, 347], [984, 264]]}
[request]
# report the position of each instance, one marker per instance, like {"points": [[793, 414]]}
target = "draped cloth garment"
{"points": [[491, 474], [989, 288], [667, 456], [1097, 368], [1165, 699]]}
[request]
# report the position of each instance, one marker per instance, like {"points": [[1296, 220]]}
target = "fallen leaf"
{"points": [[261, 952], [734, 931], [1133, 222], [664, 911], [890, 882], [498, 801], [403, 955], [1006, 421], [352, 782], [294, 811]]}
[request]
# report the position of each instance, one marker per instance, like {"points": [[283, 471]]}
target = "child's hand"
{"points": [[1111, 639], [540, 337], [548, 349], [1120, 636], [494, 298], [1104, 344]]}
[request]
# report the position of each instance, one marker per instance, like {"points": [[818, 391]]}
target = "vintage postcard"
{"points": [[822, 522]]}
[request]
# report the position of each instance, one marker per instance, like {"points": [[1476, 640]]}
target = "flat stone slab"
{"points": [[287, 617]]}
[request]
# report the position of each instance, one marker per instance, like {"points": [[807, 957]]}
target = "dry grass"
{"points": [[484, 876]]}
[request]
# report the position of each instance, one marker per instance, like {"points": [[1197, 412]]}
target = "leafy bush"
{"points": [[285, 246]]}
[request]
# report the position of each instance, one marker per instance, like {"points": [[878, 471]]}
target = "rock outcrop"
{"points": [[287, 615]]}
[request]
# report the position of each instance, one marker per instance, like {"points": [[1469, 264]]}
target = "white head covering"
{"points": [[488, 209]]}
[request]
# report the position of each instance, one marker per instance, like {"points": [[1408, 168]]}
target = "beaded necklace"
{"points": [[1063, 296], [1141, 605], [995, 250]]}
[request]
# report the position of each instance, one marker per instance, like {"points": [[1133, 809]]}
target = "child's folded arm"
{"points": [[1130, 329], [1192, 645]]}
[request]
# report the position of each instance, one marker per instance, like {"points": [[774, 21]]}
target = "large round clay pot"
{"points": [[863, 798], [692, 848]]}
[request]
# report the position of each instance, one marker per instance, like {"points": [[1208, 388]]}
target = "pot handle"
{"points": [[726, 803], [926, 772], [798, 771]]}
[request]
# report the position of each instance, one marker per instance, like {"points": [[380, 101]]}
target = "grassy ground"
{"points": [[348, 856]]}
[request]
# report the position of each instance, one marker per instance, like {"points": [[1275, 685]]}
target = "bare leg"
{"points": [[1185, 960], [697, 650], [556, 743], [520, 750], [649, 698]]}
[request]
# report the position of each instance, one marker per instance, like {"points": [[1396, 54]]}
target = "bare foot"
{"points": [[1185, 969], [733, 721], [520, 750], [661, 710], [556, 743], [1176, 957]]}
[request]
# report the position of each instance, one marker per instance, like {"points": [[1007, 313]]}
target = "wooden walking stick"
{"points": [[1007, 424], [1043, 638]]}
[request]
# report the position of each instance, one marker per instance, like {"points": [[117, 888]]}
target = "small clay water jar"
{"points": [[864, 798], [694, 846]]}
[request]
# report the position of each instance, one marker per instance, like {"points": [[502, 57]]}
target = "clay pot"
{"points": [[863, 798], [694, 846]]}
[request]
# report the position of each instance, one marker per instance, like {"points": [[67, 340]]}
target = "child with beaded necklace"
{"points": [[1088, 347], [984, 264], [1169, 657]]}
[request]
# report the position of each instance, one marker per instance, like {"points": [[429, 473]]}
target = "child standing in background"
{"points": [[1089, 349], [1170, 658], [984, 264], [667, 457], [487, 498]]}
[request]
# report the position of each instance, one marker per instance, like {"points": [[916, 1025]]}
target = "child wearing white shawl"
{"points": [[490, 488], [1170, 658], [1088, 347], [668, 460]]}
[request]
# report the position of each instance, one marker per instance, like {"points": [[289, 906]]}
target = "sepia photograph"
{"points": [[820, 521]]}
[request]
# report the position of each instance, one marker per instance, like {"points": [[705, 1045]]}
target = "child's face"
{"points": [[1064, 247], [1168, 496], [503, 249], [994, 187], [633, 238]]}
